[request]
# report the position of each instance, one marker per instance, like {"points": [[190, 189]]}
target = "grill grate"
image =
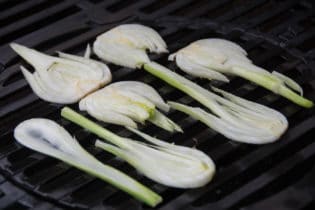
{"points": [[276, 34]]}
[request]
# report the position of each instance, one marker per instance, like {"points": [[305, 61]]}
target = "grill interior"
{"points": [[276, 34]]}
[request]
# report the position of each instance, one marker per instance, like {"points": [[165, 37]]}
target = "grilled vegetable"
{"points": [[124, 40], [126, 45], [125, 103], [63, 80], [212, 58], [165, 163], [263, 125], [47, 137]]}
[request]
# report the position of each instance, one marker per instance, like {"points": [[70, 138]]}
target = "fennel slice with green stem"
{"points": [[212, 58], [258, 134], [126, 103], [258, 124], [165, 163], [47, 137], [64, 79]]}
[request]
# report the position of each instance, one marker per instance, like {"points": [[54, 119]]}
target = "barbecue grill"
{"points": [[276, 34]]}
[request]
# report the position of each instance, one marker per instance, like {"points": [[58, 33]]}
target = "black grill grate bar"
{"points": [[65, 25], [31, 23], [15, 86], [106, 4], [241, 9], [14, 106], [172, 8], [131, 7], [301, 38], [17, 9], [24, 14], [293, 179], [10, 194], [6, 22], [261, 17], [71, 179], [41, 108], [7, 150], [41, 171], [199, 8], [6, 5], [99, 192], [297, 194], [292, 20], [281, 169], [162, 7]]}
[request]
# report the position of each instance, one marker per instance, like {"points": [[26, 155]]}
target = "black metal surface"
{"points": [[277, 35]]}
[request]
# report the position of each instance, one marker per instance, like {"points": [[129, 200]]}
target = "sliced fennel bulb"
{"points": [[250, 122], [127, 102], [65, 79], [47, 137], [212, 58], [165, 163], [126, 45], [261, 132]]}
